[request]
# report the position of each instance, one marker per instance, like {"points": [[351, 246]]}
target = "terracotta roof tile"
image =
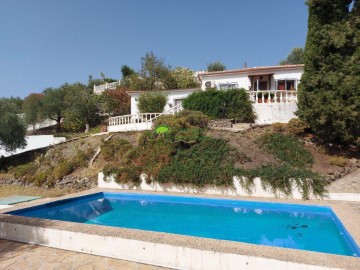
{"points": [[252, 69], [170, 90]]}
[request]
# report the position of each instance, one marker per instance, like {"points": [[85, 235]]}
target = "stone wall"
{"points": [[354, 165], [221, 123], [68, 182]]}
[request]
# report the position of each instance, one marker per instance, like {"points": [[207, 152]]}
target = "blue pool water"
{"points": [[314, 228]]}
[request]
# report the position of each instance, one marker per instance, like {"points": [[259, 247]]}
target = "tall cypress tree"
{"points": [[329, 93]]}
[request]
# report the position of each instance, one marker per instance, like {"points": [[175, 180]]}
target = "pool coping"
{"points": [[348, 216]]}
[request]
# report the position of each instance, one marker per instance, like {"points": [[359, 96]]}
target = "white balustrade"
{"points": [[98, 89], [132, 119], [272, 96], [140, 121]]}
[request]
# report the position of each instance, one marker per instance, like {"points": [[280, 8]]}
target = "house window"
{"points": [[227, 86], [286, 85]]}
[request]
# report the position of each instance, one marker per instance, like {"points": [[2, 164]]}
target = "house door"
{"points": [[177, 105], [261, 85]]}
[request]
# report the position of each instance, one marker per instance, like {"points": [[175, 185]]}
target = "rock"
{"points": [[223, 123]]}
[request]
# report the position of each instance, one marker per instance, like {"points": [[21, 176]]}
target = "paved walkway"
{"points": [[348, 184], [20, 256]]}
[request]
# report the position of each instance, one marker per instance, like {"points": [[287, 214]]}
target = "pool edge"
{"points": [[250, 253]]}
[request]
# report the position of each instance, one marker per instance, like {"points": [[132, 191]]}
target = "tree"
{"points": [[18, 103], [12, 129], [329, 93], [296, 56], [152, 102], [53, 104], [154, 74], [32, 108], [126, 71], [184, 78], [116, 102], [92, 82], [82, 108], [215, 66]]}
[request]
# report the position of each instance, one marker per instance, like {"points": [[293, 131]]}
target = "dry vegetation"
{"points": [[259, 150]]}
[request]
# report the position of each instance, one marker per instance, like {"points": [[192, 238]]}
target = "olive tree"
{"points": [[12, 129]]}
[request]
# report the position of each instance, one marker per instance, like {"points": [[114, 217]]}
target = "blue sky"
{"points": [[45, 43]]}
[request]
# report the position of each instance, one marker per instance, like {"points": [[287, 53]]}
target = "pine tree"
{"points": [[329, 94]]}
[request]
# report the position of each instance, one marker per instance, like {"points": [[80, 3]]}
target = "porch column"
{"points": [[269, 82]]}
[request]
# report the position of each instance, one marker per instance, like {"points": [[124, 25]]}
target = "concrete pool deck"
{"points": [[21, 256], [177, 251]]}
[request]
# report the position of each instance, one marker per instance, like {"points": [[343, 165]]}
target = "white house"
{"points": [[272, 89], [175, 97], [285, 77]]}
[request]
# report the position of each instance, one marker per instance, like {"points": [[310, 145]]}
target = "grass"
{"points": [[8, 190]]}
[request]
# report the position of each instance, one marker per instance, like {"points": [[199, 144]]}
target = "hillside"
{"points": [[67, 166]]}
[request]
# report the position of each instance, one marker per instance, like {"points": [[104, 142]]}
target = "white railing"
{"points": [[101, 88], [142, 117], [176, 109], [132, 119], [272, 96]]}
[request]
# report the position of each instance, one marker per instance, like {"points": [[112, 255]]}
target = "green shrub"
{"points": [[112, 150], [277, 178], [123, 175], [40, 178], [233, 103], [286, 148], [25, 170], [338, 161], [185, 126], [296, 126], [279, 127], [65, 167], [128, 174], [152, 102], [62, 169], [81, 159], [183, 119], [208, 162], [194, 118], [189, 135], [172, 121]]}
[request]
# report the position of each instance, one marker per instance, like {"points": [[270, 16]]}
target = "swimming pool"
{"points": [[313, 228]]}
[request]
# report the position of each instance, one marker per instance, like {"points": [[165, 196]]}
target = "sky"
{"points": [[45, 43]]}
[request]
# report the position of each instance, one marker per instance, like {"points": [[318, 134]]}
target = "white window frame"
{"points": [[228, 86], [296, 82]]}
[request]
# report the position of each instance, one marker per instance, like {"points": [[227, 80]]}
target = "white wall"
{"points": [[243, 80], [35, 142], [130, 127], [237, 190], [43, 124], [172, 95], [268, 113]]}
